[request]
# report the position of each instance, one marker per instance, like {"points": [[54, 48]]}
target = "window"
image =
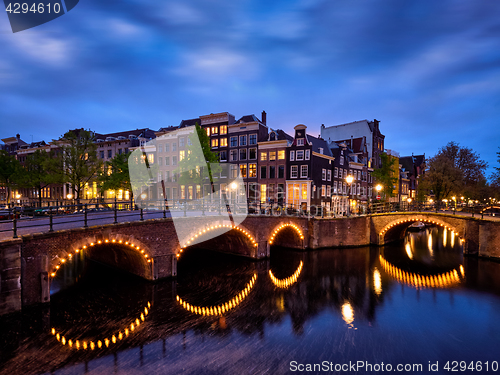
{"points": [[263, 156], [151, 158], [223, 142], [252, 170], [263, 171], [174, 146], [126, 150], [243, 154], [167, 160], [323, 190], [329, 175], [272, 155], [190, 192], [198, 191], [292, 155], [160, 148], [189, 142], [110, 153], [336, 172], [272, 171], [300, 155], [182, 141], [183, 192], [328, 191], [243, 170], [234, 171], [102, 154], [341, 160], [215, 142], [234, 141], [281, 171], [321, 150], [294, 171], [243, 140], [167, 147], [263, 193], [304, 191], [300, 142], [160, 161], [303, 171], [252, 153], [223, 156], [208, 131], [323, 174], [182, 154], [252, 139], [340, 173], [119, 151], [223, 129], [308, 154], [281, 155], [174, 160], [334, 187], [234, 155], [167, 176], [215, 130]]}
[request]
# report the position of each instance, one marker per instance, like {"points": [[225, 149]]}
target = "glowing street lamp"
{"points": [[349, 180]]}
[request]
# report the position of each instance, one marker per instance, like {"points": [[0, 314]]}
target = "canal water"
{"points": [[357, 310]]}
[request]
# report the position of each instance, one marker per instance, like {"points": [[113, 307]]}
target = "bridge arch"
{"points": [[199, 235], [279, 228], [134, 256], [396, 228]]}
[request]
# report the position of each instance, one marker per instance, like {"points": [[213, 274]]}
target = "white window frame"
{"points": [[302, 169], [308, 154], [294, 171], [292, 155]]}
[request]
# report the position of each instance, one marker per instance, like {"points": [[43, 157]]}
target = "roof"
{"points": [[283, 136], [190, 122], [143, 133], [248, 118], [318, 143], [406, 163]]}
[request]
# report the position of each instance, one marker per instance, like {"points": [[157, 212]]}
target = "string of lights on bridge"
{"points": [[428, 221], [277, 230], [106, 342], [222, 308], [201, 232], [289, 281], [142, 252], [443, 280]]}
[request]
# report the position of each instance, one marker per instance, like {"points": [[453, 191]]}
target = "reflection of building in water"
{"points": [[84, 344], [442, 280], [222, 308]]}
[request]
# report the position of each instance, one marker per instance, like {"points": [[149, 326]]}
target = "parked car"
{"points": [[8, 215]]}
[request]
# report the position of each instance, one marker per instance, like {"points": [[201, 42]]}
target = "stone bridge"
{"points": [[151, 248]]}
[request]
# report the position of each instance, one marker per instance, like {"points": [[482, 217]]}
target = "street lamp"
{"points": [[349, 180]]}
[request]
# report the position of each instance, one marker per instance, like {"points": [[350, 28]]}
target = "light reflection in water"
{"points": [[285, 283], [85, 344], [408, 250], [347, 313], [445, 236], [429, 244], [377, 281]]}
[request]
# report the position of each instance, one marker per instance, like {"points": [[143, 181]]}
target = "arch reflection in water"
{"points": [[222, 308], [442, 280], [91, 344], [285, 283]]}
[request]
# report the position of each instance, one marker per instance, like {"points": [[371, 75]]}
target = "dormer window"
{"points": [[300, 141], [321, 150]]}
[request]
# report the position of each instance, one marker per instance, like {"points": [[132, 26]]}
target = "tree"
{"points": [[115, 175], [9, 168], [385, 175], [41, 169], [199, 162], [441, 178], [79, 156]]}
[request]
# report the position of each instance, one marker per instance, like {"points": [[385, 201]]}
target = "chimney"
{"points": [[264, 117]]}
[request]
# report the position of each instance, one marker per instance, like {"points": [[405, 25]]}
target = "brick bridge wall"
{"points": [[27, 264]]}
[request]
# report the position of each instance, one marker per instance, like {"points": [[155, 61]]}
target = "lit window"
{"points": [[252, 170], [272, 155], [182, 154], [215, 130], [263, 193], [183, 192], [281, 155], [190, 192], [223, 129], [243, 170], [151, 158], [223, 142], [208, 131], [323, 190], [304, 191], [263, 156], [215, 142]]}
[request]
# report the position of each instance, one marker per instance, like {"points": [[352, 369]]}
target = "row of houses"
{"points": [[333, 170]]}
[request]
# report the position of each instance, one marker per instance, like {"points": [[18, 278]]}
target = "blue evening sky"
{"points": [[428, 70]]}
